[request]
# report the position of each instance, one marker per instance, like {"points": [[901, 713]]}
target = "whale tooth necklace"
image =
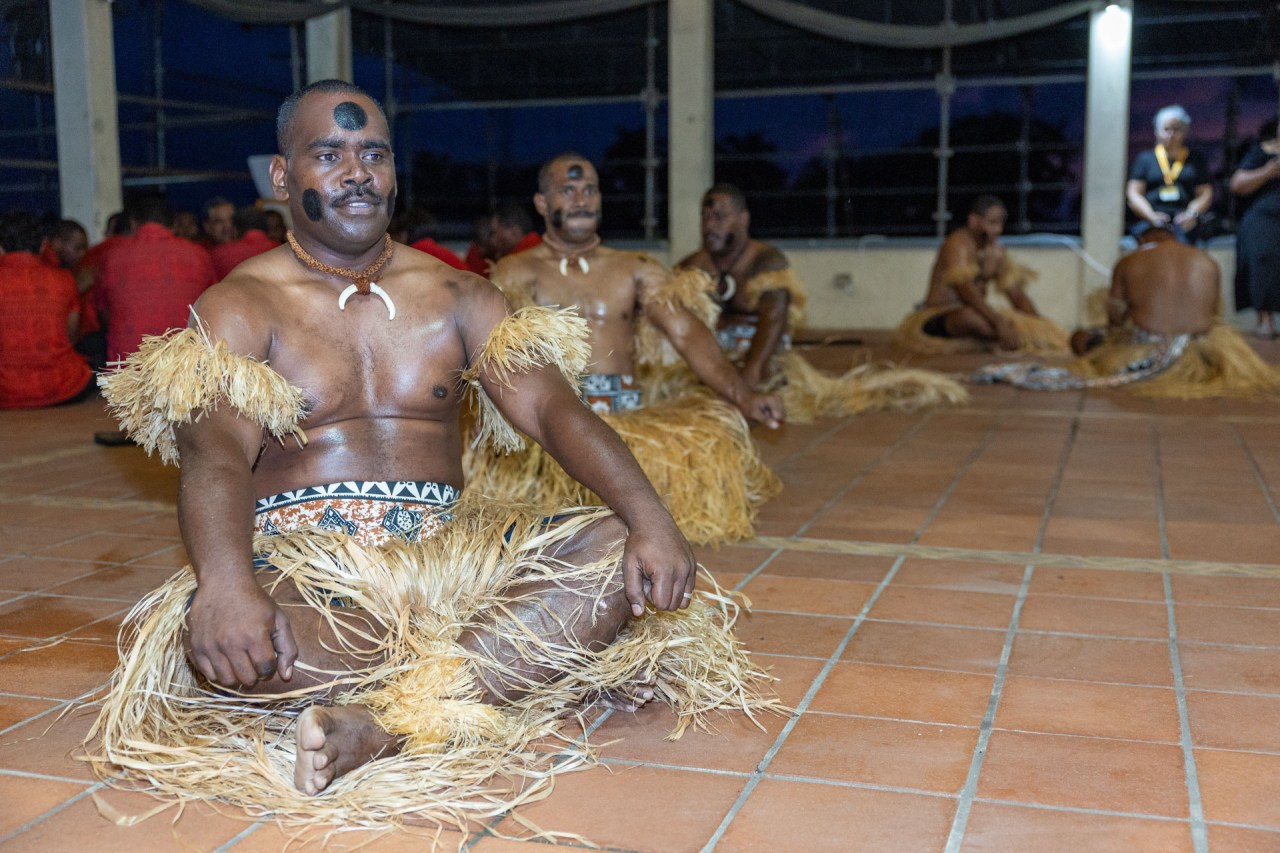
{"points": [[361, 282], [576, 257]]}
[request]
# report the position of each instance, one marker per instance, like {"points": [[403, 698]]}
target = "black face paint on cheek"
{"points": [[575, 172], [557, 218], [391, 203], [349, 115], [312, 206]]}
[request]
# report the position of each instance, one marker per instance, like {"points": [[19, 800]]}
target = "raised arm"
{"points": [[697, 345], [658, 563], [239, 636]]}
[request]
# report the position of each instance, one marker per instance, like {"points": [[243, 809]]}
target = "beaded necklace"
{"points": [[361, 282]]}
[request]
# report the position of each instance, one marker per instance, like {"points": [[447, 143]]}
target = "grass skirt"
{"points": [[696, 450], [1217, 364], [1039, 334], [161, 726], [808, 393]]}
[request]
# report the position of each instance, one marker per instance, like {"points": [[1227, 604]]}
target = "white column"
{"points": [[691, 154], [1106, 138], [84, 102], [329, 46]]}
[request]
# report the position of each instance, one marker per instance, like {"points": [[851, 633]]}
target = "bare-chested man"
{"points": [[753, 321], [611, 289], [375, 340], [1164, 288], [969, 259]]}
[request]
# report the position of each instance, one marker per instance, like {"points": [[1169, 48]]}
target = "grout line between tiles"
{"points": [[1079, 810], [1199, 833], [70, 801], [1064, 457], [800, 709], [1258, 476], [1159, 484], [238, 837], [46, 456], [970, 789]]}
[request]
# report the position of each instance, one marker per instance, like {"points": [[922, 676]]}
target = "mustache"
{"points": [[582, 213], [357, 192]]}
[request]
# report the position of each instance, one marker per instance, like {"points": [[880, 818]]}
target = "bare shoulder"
{"points": [[700, 259], [520, 266], [236, 310], [767, 258]]}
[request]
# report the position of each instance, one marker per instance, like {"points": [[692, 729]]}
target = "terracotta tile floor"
{"points": [[1034, 623]]}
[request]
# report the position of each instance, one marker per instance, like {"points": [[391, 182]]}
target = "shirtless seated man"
{"points": [[370, 346], [755, 287], [1164, 288]]}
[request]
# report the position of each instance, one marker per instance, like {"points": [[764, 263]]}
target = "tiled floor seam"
{"points": [[1258, 476], [974, 455], [969, 791], [70, 801], [1199, 833], [1159, 473], [1064, 457], [46, 456], [238, 837], [1043, 560], [800, 709]]}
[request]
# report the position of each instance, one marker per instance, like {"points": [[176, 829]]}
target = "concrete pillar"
{"points": [[329, 46], [84, 101], [1106, 138], [691, 104]]}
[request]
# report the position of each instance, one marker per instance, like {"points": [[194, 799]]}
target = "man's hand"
{"points": [[658, 565], [763, 409], [239, 636]]}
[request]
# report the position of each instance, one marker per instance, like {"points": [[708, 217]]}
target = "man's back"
{"points": [[1170, 288], [382, 394], [148, 281]]}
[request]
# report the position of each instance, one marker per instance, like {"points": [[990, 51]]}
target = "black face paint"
{"points": [[349, 115], [391, 203], [312, 206], [575, 172], [557, 218]]}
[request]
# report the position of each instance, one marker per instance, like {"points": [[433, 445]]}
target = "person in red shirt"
{"points": [[480, 252], [422, 228], [149, 280], [251, 226], [38, 366]]}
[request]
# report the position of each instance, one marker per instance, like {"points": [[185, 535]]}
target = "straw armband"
{"points": [[1015, 276], [531, 337], [688, 288], [173, 378], [779, 280]]}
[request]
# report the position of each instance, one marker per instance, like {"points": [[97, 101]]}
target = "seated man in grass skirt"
{"points": [[356, 640], [761, 307], [696, 450], [1164, 336], [956, 315]]}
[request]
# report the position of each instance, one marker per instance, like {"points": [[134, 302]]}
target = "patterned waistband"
{"points": [[610, 393], [372, 512], [736, 338]]}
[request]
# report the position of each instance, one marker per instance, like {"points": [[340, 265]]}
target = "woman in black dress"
{"points": [[1258, 235]]}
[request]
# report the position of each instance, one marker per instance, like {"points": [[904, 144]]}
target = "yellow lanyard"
{"points": [[1170, 174]]}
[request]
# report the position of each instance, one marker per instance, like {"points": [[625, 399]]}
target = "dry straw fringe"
{"points": [[779, 280], [696, 450], [405, 605], [686, 288], [1217, 364], [531, 337], [1040, 335], [174, 378]]}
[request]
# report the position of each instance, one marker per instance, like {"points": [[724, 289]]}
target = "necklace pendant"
{"points": [[564, 266], [583, 265], [376, 291]]}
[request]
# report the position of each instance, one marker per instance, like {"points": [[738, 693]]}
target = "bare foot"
{"points": [[332, 740], [629, 697]]}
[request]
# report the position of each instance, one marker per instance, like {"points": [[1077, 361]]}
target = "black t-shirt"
{"points": [[1171, 200], [1266, 197]]}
